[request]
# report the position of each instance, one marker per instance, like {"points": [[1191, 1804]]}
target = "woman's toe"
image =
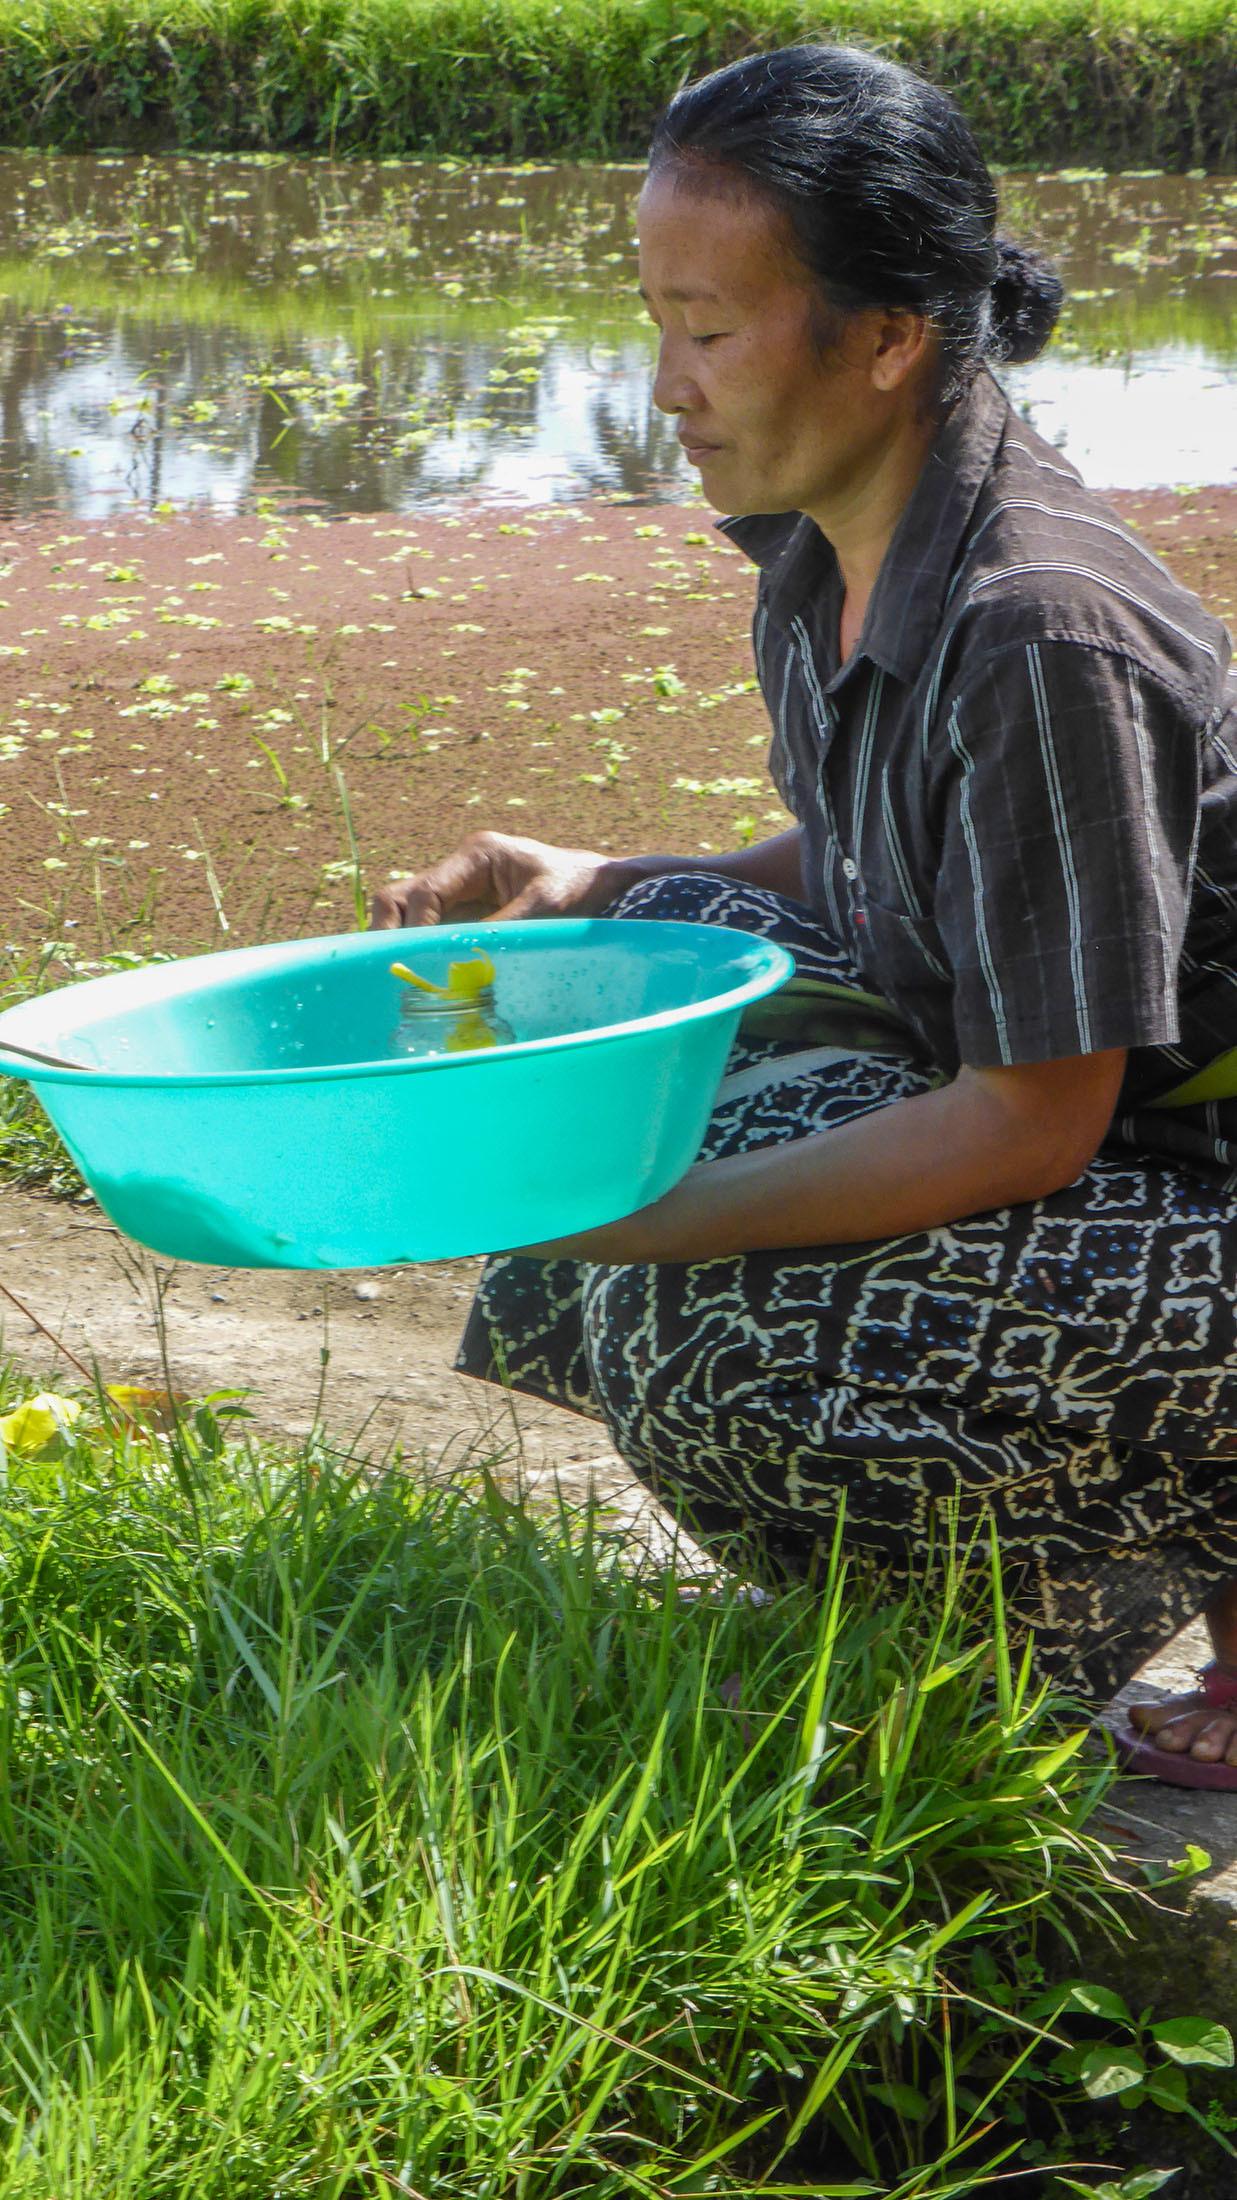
{"points": [[1159, 1719], [1178, 1735], [1182, 1728], [1211, 1740]]}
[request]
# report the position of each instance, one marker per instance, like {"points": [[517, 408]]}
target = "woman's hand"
{"points": [[496, 875]]}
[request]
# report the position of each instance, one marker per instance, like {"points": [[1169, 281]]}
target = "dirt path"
{"points": [[368, 1355]]}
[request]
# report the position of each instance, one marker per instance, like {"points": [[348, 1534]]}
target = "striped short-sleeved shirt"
{"points": [[1019, 794]]}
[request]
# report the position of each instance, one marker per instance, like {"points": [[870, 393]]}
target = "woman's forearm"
{"points": [[910, 1166], [992, 1138], [775, 864]]}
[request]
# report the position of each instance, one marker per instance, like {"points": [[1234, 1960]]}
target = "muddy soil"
{"points": [[199, 716]]}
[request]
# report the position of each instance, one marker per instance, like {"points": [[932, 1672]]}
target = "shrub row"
{"points": [[1112, 83]]}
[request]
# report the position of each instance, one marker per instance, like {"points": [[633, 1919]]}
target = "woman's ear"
{"points": [[900, 344]]}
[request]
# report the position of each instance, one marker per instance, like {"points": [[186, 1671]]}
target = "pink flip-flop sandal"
{"points": [[1138, 1752]]}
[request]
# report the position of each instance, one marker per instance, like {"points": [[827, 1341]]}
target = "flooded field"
{"points": [[338, 520], [198, 334]]}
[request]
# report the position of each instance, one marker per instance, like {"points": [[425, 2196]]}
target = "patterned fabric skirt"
{"points": [[1066, 1369]]}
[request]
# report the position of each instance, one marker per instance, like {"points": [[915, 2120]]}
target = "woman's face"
{"points": [[773, 423]]}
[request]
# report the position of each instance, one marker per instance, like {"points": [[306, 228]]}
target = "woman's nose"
{"points": [[673, 385]]}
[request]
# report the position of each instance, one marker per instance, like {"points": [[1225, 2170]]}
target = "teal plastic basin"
{"points": [[245, 1109]]}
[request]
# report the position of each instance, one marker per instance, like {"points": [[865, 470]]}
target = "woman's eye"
{"points": [[710, 336]]}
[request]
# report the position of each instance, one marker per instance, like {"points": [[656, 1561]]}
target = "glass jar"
{"points": [[429, 1024]]}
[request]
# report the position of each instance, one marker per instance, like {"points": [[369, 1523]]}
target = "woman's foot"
{"points": [[1191, 1741], [1192, 1726]]}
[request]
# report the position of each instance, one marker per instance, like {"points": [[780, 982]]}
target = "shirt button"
{"points": [[849, 869]]}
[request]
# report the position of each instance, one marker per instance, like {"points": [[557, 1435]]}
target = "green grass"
{"points": [[360, 1837], [1112, 81], [32, 1157]]}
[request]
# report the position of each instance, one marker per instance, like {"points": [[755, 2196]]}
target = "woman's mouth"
{"points": [[696, 452]]}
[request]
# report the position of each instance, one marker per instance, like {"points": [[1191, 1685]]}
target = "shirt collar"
{"points": [[904, 613]]}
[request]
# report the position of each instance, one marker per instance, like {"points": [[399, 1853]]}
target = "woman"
{"points": [[977, 1262]]}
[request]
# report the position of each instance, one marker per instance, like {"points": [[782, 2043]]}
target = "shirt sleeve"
{"points": [[1070, 783]]}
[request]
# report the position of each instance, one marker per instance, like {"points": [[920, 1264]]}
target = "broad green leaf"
{"points": [[1084, 1999], [1195, 2040], [1107, 2070], [1168, 2089], [907, 2100], [1158, 1873], [1068, 2063]]}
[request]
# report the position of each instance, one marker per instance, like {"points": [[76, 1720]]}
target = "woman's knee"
{"points": [[678, 1372]]}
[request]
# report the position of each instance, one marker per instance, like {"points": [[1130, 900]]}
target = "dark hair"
{"points": [[889, 199]]}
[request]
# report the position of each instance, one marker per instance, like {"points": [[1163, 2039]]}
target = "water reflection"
{"points": [[373, 338], [1168, 418]]}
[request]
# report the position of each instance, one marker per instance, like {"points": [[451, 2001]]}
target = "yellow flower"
{"points": [[465, 980], [30, 1428], [140, 1402], [466, 983]]}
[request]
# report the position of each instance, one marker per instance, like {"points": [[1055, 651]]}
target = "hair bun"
{"points": [[1026, 299]]}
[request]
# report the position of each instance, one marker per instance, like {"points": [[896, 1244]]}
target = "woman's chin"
{"points": [[723, 484]]}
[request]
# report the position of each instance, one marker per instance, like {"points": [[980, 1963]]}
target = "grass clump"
{"points": [[363, 1838], [1112, 81], [32, 1157]]}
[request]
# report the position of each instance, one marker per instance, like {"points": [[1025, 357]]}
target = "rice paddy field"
{"points": [[336, 519]]}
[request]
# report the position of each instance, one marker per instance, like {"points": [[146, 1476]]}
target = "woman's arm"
{"points": [[993, 1138], [500, 875], [776, 864]]}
